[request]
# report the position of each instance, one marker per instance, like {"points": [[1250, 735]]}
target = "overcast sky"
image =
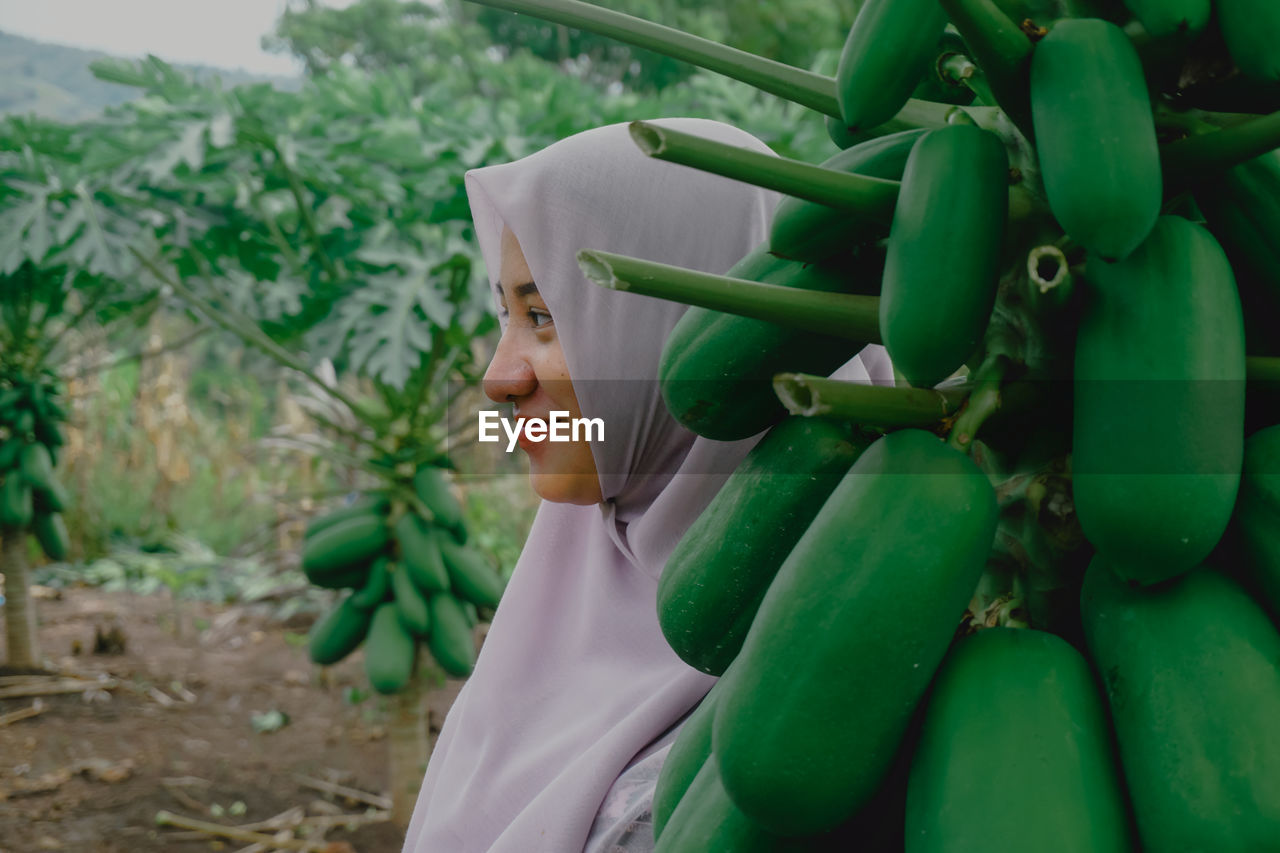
{"points": [[221, 33]]}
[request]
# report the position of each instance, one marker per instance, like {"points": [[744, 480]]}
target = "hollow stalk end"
{"points": [[795, 394], [598, 270], [647, 137], [1047, 266]]}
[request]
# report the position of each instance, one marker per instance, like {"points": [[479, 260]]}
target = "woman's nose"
{"points": [[509, 375]]}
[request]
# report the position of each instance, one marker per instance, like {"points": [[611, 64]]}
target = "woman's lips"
{"points": [[527, 444]]}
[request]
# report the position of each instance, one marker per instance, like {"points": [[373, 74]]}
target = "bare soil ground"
{"points": [[91, 771]]}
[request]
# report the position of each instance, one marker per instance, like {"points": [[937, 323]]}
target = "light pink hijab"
{"points": [[575, 677]]}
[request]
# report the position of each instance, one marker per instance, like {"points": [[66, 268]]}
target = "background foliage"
{"points": [[328, 220], [379, 34]]}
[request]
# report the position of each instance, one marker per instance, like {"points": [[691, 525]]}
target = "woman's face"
{"points": [[528, 368]]}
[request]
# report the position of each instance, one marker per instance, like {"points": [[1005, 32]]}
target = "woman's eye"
{"points": [[538, 318]]}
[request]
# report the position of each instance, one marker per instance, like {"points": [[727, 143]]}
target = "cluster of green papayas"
{"points": [[413, 579], [830, 583], [31, 497]]}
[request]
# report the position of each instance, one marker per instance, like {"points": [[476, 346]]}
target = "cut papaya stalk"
{"points": [[794, 84], [841, 315], [872, 198], [867, 405], [1205, 156]]}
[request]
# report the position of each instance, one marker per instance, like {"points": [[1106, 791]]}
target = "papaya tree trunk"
{"points": [[19, 606], [409, 738]]}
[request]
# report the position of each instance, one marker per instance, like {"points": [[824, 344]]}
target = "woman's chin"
{"points": [[564, 473], [580, 489]]}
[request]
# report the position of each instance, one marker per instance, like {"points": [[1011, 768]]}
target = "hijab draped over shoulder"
{"points": [[575, 678]]}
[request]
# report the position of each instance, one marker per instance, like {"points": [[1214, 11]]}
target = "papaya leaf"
{"points": [[188, 149], [123, 71], [389, 322], [25, 233]]}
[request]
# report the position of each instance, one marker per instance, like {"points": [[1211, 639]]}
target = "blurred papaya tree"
{"points": [[65, 231]]}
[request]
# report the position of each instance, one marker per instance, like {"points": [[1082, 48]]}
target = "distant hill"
{"points": [[54, 81]]}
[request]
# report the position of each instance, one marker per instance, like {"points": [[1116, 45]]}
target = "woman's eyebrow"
{"points": [[523, 289]]}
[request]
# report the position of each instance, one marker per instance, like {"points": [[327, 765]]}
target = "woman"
{"points": [[554, 742]]}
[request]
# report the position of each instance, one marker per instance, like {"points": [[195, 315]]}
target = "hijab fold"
{"points": [[575, 678]]}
